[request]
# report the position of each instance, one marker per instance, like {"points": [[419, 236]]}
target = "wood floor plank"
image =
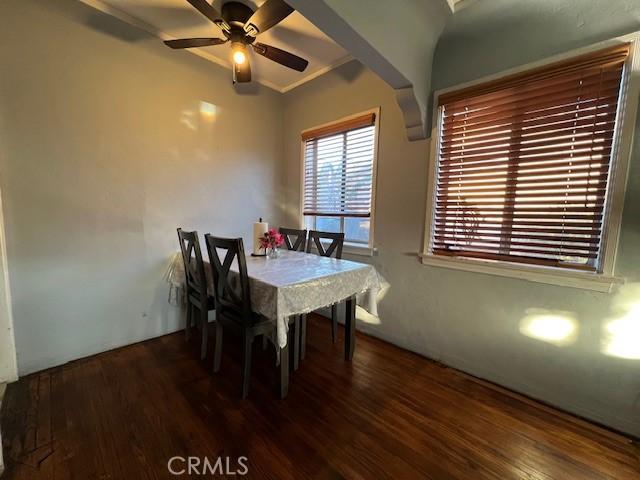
{"points": [[388, 414]]}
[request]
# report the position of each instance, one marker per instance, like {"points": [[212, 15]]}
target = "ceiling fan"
{"points": [[240, 25]]}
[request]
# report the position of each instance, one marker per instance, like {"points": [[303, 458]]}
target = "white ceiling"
{"points": [[178, 19]]}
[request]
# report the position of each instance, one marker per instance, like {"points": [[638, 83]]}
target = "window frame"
{"points": [[356, 248], [604, 279]]}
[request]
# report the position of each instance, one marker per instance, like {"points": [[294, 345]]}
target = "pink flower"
{"points": [[271, 239]]}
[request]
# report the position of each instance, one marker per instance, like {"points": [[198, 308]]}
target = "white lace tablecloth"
{"points": [[297, 283]]}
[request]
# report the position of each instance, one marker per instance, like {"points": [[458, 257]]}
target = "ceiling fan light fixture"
{"points": [[239, 53]]}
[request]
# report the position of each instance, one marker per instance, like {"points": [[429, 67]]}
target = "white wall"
{"points": [[468, 320], [104, 152]]}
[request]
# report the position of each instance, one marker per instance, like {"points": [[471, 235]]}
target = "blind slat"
{"points": [[554, 241], [532, 168], [526, 224], [553, 139], [580, 126], [585, 230], [514, 258], [489, 243], [591, 109], [526, 191]]}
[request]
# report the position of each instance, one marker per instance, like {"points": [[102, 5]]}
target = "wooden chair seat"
{"points": [[233, 316], [195, 299]]}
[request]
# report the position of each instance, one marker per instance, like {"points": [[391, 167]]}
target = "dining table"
{"points": [[296, 283]]}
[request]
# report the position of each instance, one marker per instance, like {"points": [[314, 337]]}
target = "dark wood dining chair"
{"points": [[294, 239], [327, 244], [196, 286], [233, 303], [318, 240]]}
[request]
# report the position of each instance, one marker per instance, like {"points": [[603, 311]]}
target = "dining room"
{"points": [[319, 239]]}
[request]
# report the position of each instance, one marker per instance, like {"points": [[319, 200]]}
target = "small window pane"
{"points": [[356, 230], [309, 222], [328, 224]]}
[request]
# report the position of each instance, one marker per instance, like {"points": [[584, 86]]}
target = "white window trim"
{"points": [[350, 247], [604, 280]]}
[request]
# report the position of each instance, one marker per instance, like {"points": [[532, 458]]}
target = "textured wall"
{"points": [[489, 36], [108, 142]]}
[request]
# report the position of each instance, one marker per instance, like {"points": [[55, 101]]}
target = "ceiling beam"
{"points": [[396, 40]]}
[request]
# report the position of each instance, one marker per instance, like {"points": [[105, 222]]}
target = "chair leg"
{"points": [[187, 327], [334, 322], [284, 371], [303, 336], [296, 342], [350, 328], [246, 364], [265, 342], [217, 354], [204, 320]]}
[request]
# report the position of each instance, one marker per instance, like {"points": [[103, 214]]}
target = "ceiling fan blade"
{"points": [[269, 14], [211, 13], [242, 73], [206, 9], [194, 42], [280, 56]]}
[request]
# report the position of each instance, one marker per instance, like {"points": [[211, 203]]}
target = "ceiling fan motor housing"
{"points": [[236, 14]]}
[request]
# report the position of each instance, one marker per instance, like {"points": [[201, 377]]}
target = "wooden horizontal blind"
{"points": [[523, 164], [338, 168]]}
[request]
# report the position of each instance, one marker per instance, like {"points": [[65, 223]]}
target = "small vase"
{"points": [[273, 252]]}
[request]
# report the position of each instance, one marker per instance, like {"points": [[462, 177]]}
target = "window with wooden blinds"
{"points": [[523, 164], [338, 168]]}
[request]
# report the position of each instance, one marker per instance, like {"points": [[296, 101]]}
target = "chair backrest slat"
{"points": [[337, 241], [231, 289], [195, 277], [294, 239]]}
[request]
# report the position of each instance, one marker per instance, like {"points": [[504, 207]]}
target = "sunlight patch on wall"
{"points": [[552, 326], [208, 111], [202, 114], [621, 333]]}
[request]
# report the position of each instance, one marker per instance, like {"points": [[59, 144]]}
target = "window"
{"points": [[524, 167], [339, 177]]}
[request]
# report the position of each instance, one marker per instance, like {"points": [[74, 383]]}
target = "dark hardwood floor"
{"points": [[390, 414]]}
